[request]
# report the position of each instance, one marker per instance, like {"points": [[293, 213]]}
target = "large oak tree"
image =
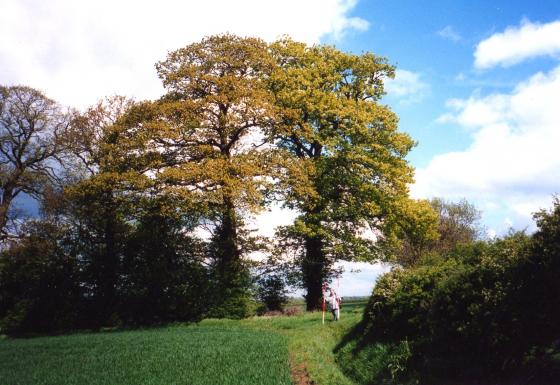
{"points": [[205, 143], [349, 171]]}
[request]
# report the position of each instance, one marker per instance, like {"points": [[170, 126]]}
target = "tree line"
{"points": [[144, 205]]}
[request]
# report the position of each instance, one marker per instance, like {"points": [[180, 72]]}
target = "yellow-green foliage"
{"points": [[348, 169]]}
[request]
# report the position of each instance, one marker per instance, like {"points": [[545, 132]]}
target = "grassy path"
{"points": [[256, 351], [311, 344]]}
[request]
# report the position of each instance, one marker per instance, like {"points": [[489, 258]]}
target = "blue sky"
{"points": [[436, 42], [478, 82]]}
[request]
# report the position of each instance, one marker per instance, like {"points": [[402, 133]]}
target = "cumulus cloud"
{"points": [[517, 44], [513, 161], [449, 33], [407, 86], [80, 51]]}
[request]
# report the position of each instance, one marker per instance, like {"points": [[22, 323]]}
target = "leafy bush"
{"points": [[272, 292], [164, 281], [39, 286], [379, 363], [487, 312], [235, 304]]}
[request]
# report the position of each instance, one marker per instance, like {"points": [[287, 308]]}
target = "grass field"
{"points": [[260, 350]]}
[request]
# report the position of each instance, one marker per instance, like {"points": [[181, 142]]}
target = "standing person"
{"points": [[334, 303]]}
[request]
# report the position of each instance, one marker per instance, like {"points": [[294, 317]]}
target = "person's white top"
{"points": [[333, 301]]}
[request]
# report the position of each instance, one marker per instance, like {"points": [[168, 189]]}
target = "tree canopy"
{"points": [[205, 142], [242, 123]]}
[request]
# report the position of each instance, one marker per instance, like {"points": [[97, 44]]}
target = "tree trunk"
{"points": [[4, 207], [3, 218], [106, 262], [110, 266], [229, 255], [313, 269]]}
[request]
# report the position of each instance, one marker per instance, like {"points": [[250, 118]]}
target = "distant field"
{"points": [[255, 351]]}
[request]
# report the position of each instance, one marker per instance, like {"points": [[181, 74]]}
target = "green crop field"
{"points": [[260, 351], [176, 355]]}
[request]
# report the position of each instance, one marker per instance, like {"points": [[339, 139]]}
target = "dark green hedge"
{"points": [[486, 313]]}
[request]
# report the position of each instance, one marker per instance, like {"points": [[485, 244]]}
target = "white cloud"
{"points": [[513, 158], [407, 86], [491, 234], [80, 51], [517, 44], [449, 33], [268, 221], [359, 278]]}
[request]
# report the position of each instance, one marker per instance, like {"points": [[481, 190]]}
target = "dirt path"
{"points": [[300, 376]]}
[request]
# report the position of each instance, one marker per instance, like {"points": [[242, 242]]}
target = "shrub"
{"points": [[272, 291], [486, 312], [293, 311], [235, 304], [39, 286]]}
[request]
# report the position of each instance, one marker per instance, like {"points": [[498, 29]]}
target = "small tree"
{"points": [[417, 232], [437, 226], [87, 137], [39, 281], [163, 279], [272, 291], [96, 203], [459, 223]]}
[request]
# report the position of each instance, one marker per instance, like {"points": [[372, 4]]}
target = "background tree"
{"points": [[40, 287], [348, 172], [97, 203], [272, 291], [135, 261], [31, 131], [417, 232], [458, 223], [86, 137], [204, 135]]}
